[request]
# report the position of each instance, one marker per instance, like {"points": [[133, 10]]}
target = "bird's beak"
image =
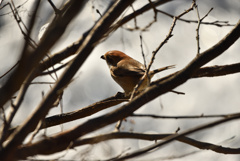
{"points": [[102, 57]]}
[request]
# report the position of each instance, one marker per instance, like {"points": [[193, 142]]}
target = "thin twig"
{"points": [[215, 23], [54, 70], [154, 53], [198, 27], [19, 21], [154, 17], [43, 83], [15, 7], [9, 70], [197, 30], [135, 19], [57, 11], [143, 55], [169, 35], [35, 132], [142, 29], [118, 125], [185, 117], [97, 10]]}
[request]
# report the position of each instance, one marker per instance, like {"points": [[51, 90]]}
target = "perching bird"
{"points": [[127, 72]]}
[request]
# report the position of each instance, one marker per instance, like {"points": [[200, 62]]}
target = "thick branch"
{"points": [[217, 70], [81, 113]]}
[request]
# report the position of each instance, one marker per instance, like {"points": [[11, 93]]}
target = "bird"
{"points": [[127, 72]]}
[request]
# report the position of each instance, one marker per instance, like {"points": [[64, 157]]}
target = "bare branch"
{"points": [[31, 149], [57, 11], [169, 35], [173, 137], [184, 117], [9, 70], [155, 137], [198, 27], [217, 70], [15, 7], [214, 23]]}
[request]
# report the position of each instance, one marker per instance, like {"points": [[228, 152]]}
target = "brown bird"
{"points": [[127, 72]]}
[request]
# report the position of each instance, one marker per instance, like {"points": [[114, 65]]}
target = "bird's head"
{"points": [[113, 57]]}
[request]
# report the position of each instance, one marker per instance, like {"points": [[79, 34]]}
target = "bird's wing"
{"points": [[129, 69]]}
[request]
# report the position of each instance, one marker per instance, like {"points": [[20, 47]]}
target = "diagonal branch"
{"points": [[171, 138], [154, 137]]}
